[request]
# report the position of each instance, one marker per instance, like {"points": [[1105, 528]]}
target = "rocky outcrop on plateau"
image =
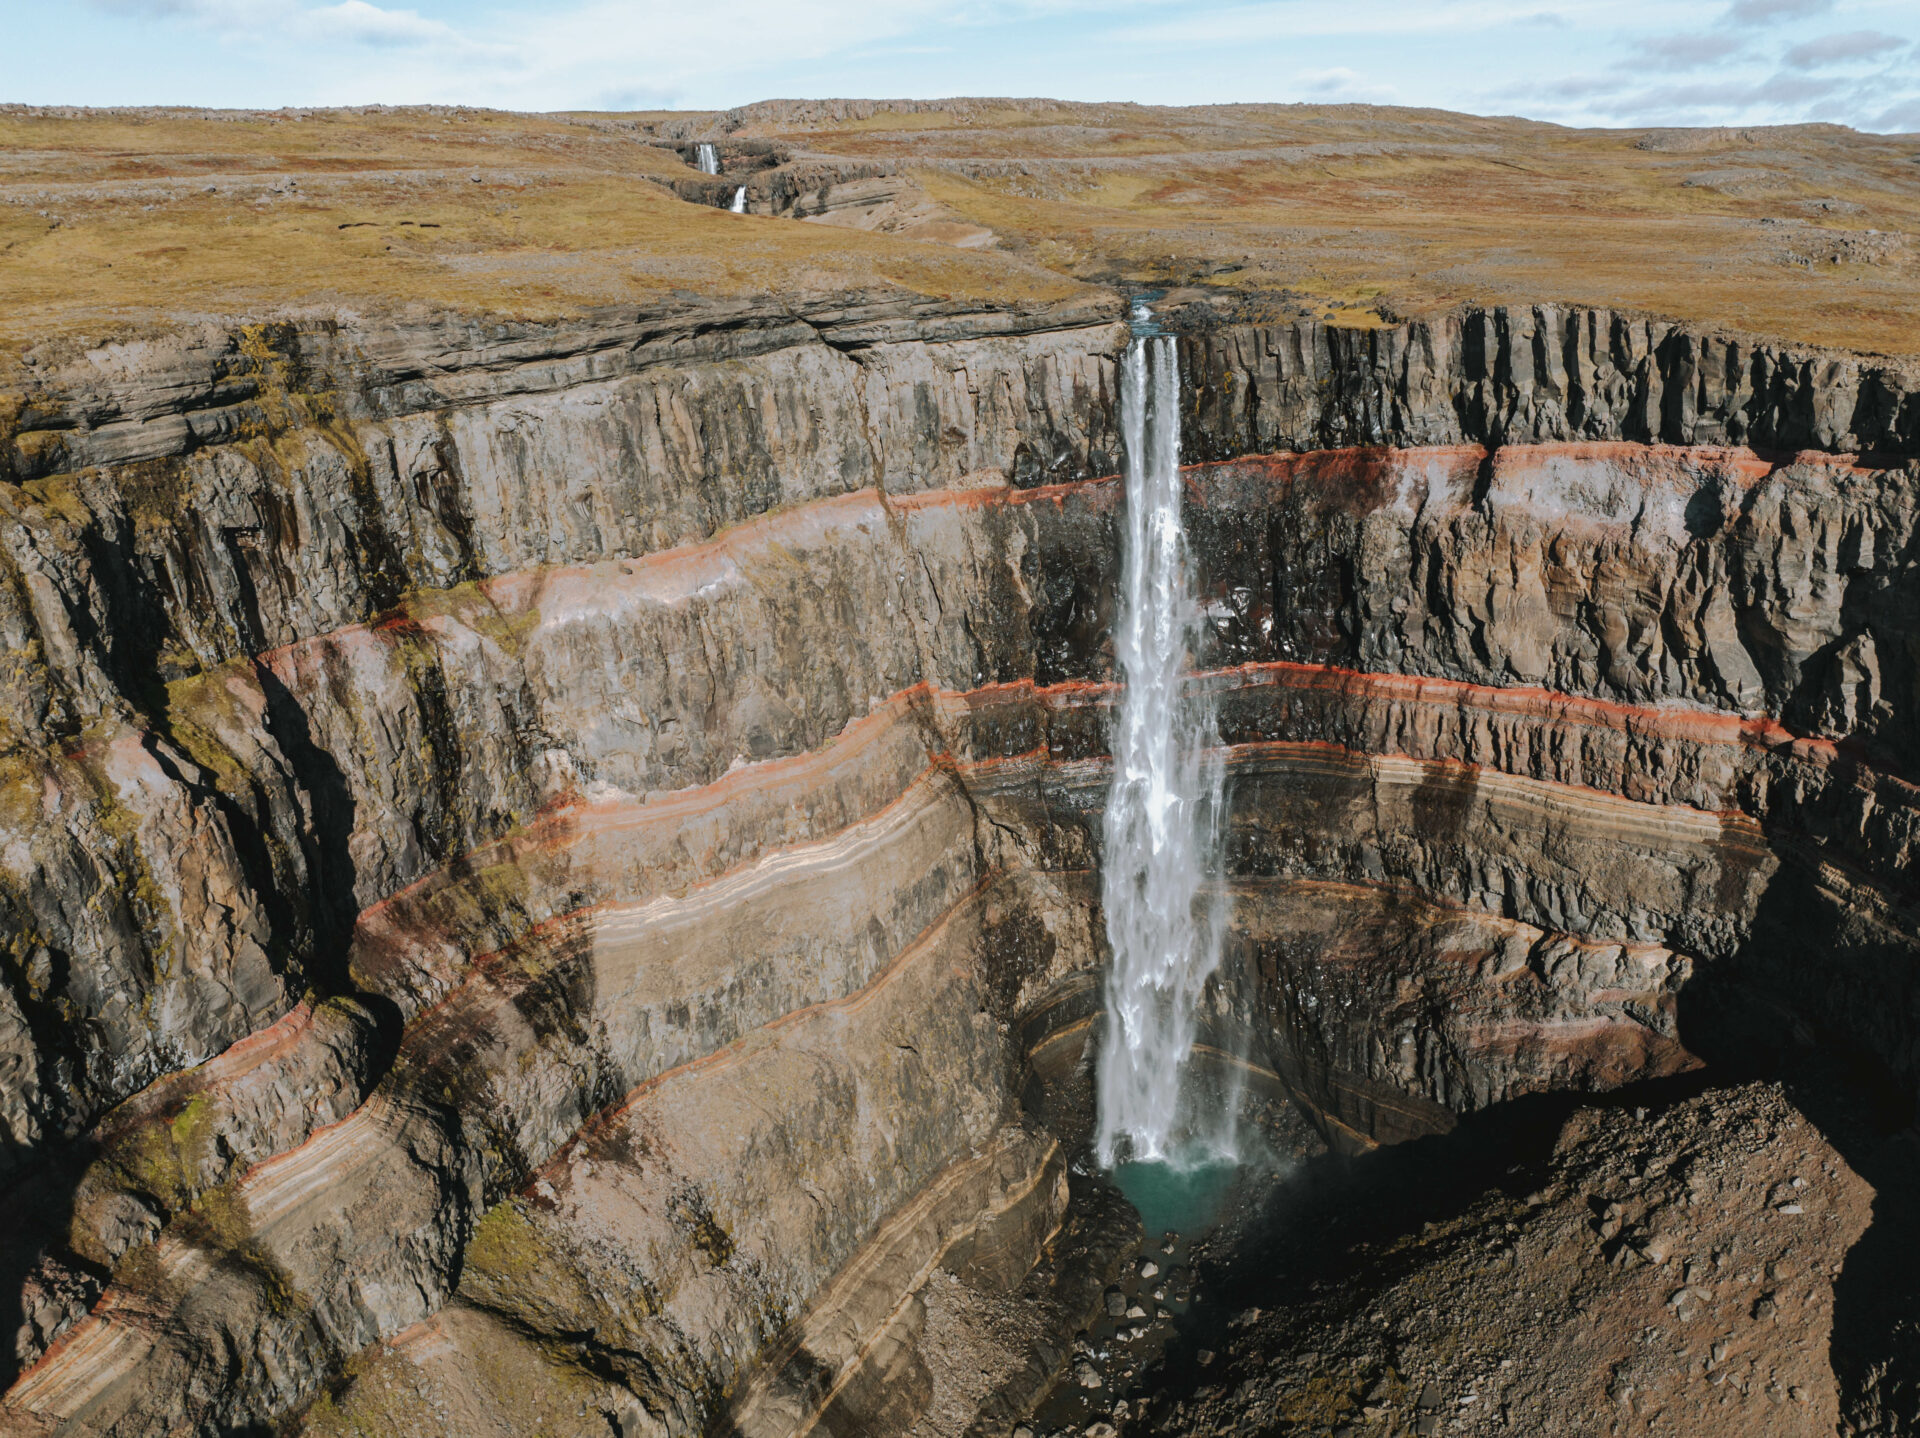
{"points": [[555, 865]]}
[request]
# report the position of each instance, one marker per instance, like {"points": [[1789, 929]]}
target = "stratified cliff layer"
{"points": [[543, 861]]}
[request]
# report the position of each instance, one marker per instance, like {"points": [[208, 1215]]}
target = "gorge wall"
{"points": [[545, 866]]}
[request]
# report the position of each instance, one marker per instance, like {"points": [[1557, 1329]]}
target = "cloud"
{"points": [[359, 23], [1341, 83], [1686, 52], [636, 97], [144, 7], [1796, 89], [1743, 98], [1606, 62], [1765, 12], [1697, 95], [1574, 87], [230, 14], [353, 21], [1838, 49], [1707, 96], [608, 53], [1239, 24], [365, 24], [1903, 118]]}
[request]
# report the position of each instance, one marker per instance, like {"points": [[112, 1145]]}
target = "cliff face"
{"points": [[235, 580], [1523, 376], [555, 851]]}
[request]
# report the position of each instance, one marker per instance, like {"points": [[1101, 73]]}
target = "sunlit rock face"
{"points": [[552, 874]]}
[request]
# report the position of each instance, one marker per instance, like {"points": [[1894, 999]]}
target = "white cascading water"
{"points": [[740, 201], [1160, 826], [709, 159]]}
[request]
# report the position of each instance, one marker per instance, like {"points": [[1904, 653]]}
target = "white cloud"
{"points": [[1839, 49], [1345, 86], [1901, 119], [1767, 12], [1686, 52], [608, 47], [1605, 62], [1724, 95], [357, 21], [1572, 87], [1270, 20]]}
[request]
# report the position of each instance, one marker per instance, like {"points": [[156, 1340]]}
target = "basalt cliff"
{"points": [[550, 869]]}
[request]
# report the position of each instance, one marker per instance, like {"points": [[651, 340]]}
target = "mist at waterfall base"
{"points": [[1168, 1150]]}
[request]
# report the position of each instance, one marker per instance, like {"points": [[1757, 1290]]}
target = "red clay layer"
{"points": [[1706, 726], [1360, 468], [731, 1051], [570, 820], [567, 823]]}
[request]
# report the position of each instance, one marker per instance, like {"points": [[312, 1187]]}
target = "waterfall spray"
{"points": [[709, 159], [739, 206], [1160, 827]]}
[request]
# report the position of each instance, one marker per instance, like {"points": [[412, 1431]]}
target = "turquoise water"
{"points": [[1186, 1199], [1177, 1198]]}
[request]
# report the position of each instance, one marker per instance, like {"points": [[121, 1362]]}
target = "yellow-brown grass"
{"points": [[119, 222], [1805, 233], [1420, 210]]}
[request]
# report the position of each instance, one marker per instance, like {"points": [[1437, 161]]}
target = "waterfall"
{"points": [[1159, 829], [709, 159], [740, 201]]}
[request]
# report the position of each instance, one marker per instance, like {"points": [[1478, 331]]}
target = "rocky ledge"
{"points": [[551, 873]]}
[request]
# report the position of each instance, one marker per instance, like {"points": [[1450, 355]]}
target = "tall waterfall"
{"points": [[709, 159], [739, 205], [1160, 827]]}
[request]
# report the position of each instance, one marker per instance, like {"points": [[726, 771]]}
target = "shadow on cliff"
{"points": [[1299, 1239], [326, 838], [40, 1279], [1800, 1005], [33, 1289]]}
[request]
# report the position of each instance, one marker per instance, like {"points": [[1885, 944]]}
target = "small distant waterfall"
{"points": [[1160, 826], [709, 159], [739, 205]]}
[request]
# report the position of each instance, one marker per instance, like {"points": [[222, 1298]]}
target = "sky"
{"points": [[1592, 62]]}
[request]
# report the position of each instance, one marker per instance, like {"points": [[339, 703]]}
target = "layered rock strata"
{"points": [[1549, 373], [540, 858], [236, 838]]}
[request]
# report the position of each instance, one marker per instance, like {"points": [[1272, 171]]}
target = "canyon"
{"points": [[552, 866]]}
